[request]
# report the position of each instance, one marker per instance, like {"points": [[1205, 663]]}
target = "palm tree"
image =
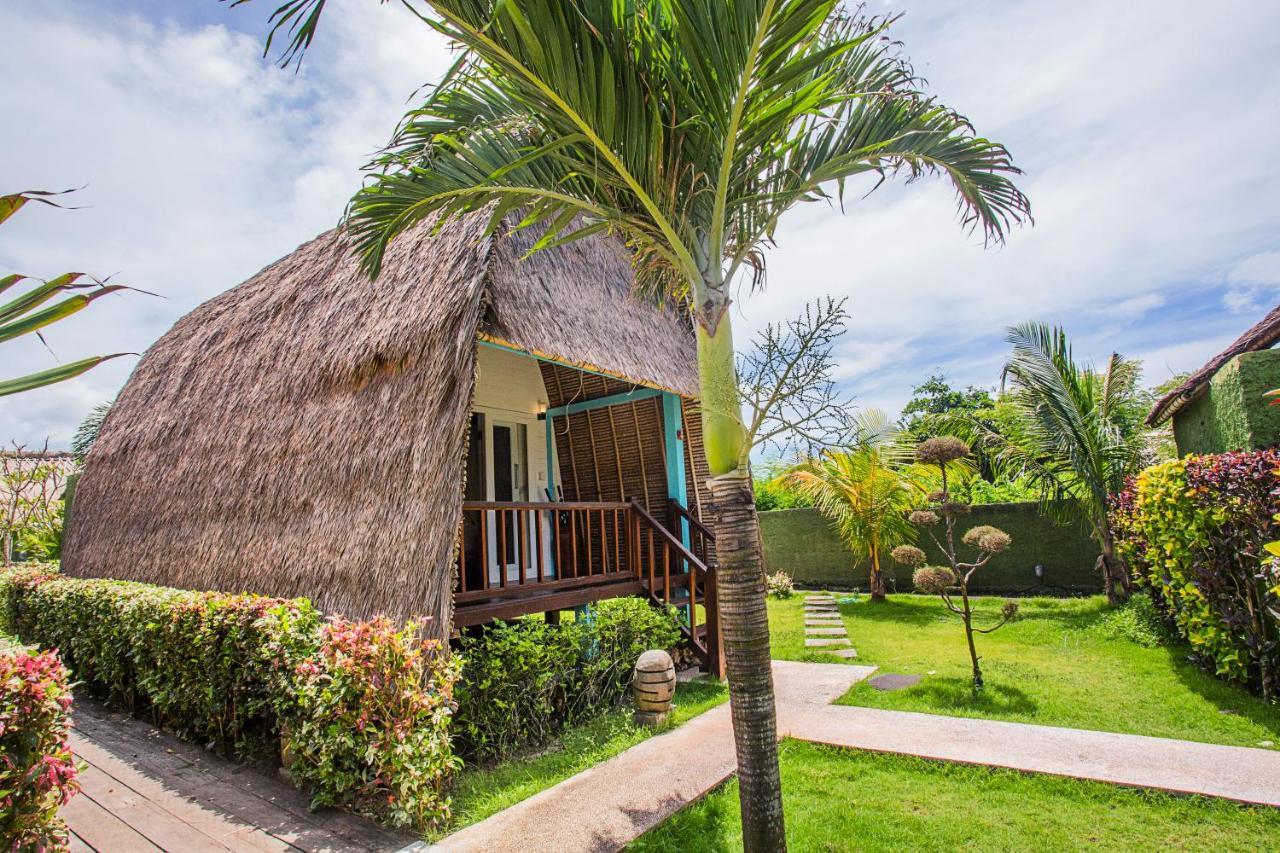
{"points": [[867, 490], [686, 129], [1077, 439]]}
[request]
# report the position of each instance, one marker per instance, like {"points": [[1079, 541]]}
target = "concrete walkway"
{"points": [[611, 804]]}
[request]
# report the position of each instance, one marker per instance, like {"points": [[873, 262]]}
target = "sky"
{"points": [[1147, 131]]}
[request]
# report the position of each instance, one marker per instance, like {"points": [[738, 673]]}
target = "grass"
{"points": [[839, 799], [1059, 664], [482, 790]]}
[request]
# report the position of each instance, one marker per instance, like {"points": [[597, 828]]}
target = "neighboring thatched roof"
{"points": [[303, 433], [1263, 335]]}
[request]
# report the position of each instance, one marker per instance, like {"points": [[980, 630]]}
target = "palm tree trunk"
{"points": [[740, 588], [1115, 575], [876, 581]]}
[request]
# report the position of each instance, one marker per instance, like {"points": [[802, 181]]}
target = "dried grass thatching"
{"points": [[303, 433], [1264, 335]]}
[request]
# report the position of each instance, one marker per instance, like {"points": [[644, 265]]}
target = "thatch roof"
{"points": [[303, 433], [1262, 335]]}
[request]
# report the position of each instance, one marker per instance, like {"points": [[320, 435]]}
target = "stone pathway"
{"points": [[824, 628], [609, 805]]}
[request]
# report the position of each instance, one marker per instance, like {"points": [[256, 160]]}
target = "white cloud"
{"points": [[203, 164], [1150, 167]]}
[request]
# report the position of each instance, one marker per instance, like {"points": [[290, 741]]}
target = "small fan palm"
{"points": [[866, 491], [1075, 442]]}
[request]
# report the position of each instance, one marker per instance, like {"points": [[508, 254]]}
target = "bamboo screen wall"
{"points": [[618, 452]]}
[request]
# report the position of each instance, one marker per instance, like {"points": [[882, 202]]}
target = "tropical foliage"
{"points": [[87, 433], [686, 129], [867, 491], [37, 769], [524, 681], [952, 580], [29, 312], [1196, 533], [1076, 433], [250, 674], [31, 504]]}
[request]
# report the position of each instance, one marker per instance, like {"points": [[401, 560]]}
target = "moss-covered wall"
{"points": [[1232, 413], [802, 543]]}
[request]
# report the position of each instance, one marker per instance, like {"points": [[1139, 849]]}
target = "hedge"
{"points": [[361, 709], [804, 544], [524, 681], [37, 770], [1193, 531]]}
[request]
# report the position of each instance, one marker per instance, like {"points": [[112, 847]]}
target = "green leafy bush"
{"points": [[1137, 621], [361, 708], [195, 663], [525, 680], [360, 729], [37, 770], [776, 494], [1194, 531]]}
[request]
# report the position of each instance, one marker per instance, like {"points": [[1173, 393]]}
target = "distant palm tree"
{"points": [[1077, 439], [867, 491], [687, 129]]}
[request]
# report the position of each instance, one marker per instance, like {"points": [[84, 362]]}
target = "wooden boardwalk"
{"points": [[145, 790]]}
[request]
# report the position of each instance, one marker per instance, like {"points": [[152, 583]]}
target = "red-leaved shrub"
{"points": [[37, 770]]}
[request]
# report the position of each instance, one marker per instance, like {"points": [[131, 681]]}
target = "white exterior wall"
{"points": [[509, 388]]}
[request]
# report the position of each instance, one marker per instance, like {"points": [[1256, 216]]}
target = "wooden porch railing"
{"points": [[686, 581], [514, 549]]}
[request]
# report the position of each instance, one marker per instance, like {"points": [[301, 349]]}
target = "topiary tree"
{"points": [[952, 581]]}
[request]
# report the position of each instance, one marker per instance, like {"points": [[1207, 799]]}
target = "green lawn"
{"points": [[839, 799], [1055, 665], [480, 791]]}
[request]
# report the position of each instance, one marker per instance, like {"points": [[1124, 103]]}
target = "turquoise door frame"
{"points": [[673, 432]]}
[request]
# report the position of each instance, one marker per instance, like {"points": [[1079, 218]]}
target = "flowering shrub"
{"points": [[37, 771], [524, 681], [1194, 531], [780, 585], [367, 724], [196, 663], [361, 708]]}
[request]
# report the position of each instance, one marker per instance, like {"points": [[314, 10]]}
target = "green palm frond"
{"points": [[44, 303], [686, 128], [1071, 445]]}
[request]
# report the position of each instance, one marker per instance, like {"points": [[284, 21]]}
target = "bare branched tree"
{"points": [[788, 385], [31, 489]]}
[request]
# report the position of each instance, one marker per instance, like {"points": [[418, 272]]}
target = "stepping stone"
{"points": [[819, 599], [832, 631], [821, 623], [844, 653], [891, 682], [831, 609], [815, 642]]}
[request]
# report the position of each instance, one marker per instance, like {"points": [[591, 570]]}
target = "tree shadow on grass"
{"points": [[1227, 698], [953, 696], [896, 611]]}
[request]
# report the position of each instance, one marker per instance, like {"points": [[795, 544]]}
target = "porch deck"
{"points": [[543, 557], [146, 790]]}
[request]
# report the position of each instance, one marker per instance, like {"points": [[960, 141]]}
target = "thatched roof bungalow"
{"points": [[475, 427]]}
